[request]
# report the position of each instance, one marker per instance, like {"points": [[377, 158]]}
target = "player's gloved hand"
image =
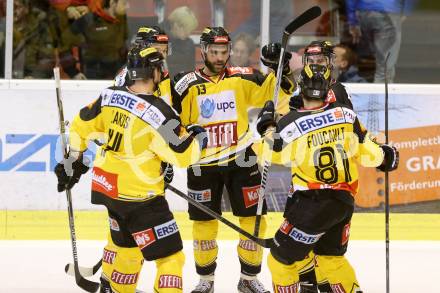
{"points": [[69, 171], [270, 55], [391, 158], [295, 102], [200, 133], [168, 172], [266, 117]]}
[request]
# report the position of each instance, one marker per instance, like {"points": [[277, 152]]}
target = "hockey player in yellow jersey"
{"points": [[322, 142], [218, 98], [141, 132]]}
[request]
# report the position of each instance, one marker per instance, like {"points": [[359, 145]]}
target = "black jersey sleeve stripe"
{"points": [[91, 111]]}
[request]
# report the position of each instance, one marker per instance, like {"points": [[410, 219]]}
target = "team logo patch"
{"points": [[286, 227], [170, 281], [222, 134], [207, 108], [144, 238], [109, 256], [294, 288], [184, 82], [114, 225], [345, 234], [250, 195], [204, 245], [200, 195], [166, 229], [331, 97], [247, 245], [105, 182], [303, 237], [124, 279]]}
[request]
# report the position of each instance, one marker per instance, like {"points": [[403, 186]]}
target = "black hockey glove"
{"points": [[390, 160], [200, 133], [266, 117], [168, 172], [270, 55], [295, 103], [74, 168]]}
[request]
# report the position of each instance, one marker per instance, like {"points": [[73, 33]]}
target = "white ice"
{"points": [[38, 266]]}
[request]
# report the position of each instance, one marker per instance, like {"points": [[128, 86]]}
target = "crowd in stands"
{"points": [[89, 39]]}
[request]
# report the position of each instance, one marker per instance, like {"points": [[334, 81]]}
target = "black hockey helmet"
{"points": [[214, 35], [315, 81], [317, 49], [141, 62], [150, 35]]}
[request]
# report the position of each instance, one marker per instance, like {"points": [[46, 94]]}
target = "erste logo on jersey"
{"points": [[166, 229], [217, 107], [105, 182], [222, 134], [301, 236], [250, 195], [320, 120], [200, 195]]}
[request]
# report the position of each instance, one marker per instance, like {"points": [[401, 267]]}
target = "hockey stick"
{"points": [[295, 24], [267, 243], [83, 283], [387, 189], [84, 271]]}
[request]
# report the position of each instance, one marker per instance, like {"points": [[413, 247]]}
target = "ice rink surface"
{"points": [[38, 266]]}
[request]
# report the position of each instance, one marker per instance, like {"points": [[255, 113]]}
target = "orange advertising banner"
{"points": [[417, 180]]}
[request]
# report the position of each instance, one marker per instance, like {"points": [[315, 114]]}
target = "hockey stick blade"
{"points": [[307, 16], [87, 285], [85, 272], [267, 243]]}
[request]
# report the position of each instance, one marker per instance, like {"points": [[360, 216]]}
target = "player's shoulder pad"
{"points": [[247, 73], [182, 81], [287, 128]]}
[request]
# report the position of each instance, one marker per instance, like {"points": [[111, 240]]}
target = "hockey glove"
{"points": [[390, 160], [200, 133], [68, 172], [295, 103], [168, 172], [271, 55], [266, 118]]}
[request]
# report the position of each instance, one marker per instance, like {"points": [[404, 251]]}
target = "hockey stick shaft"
{"points": [[85, 284], [387, 189], [307, 16], [267, 243]]}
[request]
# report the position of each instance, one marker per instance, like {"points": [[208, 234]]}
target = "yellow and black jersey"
{"points": [[163, 91], [323, 147], [140, 132], [221, 106]]}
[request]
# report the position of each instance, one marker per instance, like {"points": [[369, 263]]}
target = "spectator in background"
{"points": [[345, 65], [377, 25], [105, 30], [33, 43], [244, 46], [180, 23]]}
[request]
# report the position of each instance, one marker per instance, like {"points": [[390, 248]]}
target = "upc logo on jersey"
{"points": [[316, 121], [294, 288], [200, 195], [170, 281], [166, 229], [207, 108], [250, 195], [222, 134], [144, 238], [124, 279], [105, 182], [217, 107], [303, 237]]}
